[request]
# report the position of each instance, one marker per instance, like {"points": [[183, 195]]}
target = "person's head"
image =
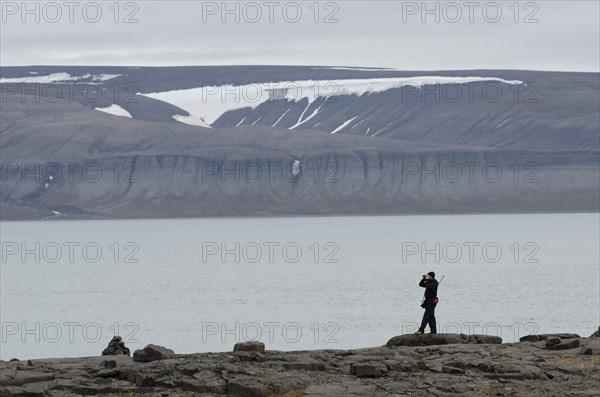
{"points": [[431, 275]]}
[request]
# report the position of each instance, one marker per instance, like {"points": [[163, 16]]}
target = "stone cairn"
{"points": [[116, 347]]}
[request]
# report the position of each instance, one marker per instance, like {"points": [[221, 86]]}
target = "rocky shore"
{"points": [[408, 365]]}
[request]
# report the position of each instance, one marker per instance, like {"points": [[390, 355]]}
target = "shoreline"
{"points": [[417, 365]]}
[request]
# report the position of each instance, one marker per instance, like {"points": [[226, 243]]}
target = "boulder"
{"points": [[250, 346], [441, 339], [596, 334], [569, 344], [152, 353], [543, 337]]}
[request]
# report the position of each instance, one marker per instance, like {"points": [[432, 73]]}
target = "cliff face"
{"points": [[428, 157], [348, 182]]}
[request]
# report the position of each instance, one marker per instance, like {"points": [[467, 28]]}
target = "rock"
{"points": [[144, 380], [586, 351], [571, 344], [250, 346], [347, 389], [109, 364], [552, 341], [116, 347], [36, 390], [85, 390], [368, 370], [516, 371], [29, 363], [441, 339], [530, 338], [251, 356], [14, 359], [152, 353], [305, 365], [485, 339], [443, 370], [452, 370], [248, 387], [108, 373], [24, 377], [596, 334], [210, 382], [543, 337], [405, 364]]}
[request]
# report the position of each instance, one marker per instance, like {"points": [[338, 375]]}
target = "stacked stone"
{"points": [[116, 347]]}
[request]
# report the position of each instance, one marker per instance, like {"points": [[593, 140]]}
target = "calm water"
{"points": [[294, 283]]}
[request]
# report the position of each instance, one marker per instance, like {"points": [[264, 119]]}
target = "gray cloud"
{"points": [[367, 33]]}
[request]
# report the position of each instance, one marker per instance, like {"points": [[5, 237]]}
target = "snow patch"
{"points": [[282, 116], [502, 123], [191, 120], [115, 110], [241, 121], [58, 77], [344, 125], [211, 102]]}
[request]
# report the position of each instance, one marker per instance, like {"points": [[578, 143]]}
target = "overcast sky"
{"points": [[540, 35]]}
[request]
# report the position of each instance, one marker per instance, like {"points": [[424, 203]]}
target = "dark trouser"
{"points": [[429, 318]]}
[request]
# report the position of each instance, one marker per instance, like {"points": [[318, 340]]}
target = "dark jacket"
{"points": [[431, 287]]}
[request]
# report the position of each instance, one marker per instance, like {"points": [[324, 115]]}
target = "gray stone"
{"points": [[246, 356], [570, 344], [347, 389], [87, 390], [586, 351], [152, 353], [24, 377], [145, 380], [529, 338], [404, 364], [559, 335], [108, 373], [441, 339], [552, 341], [368, 370], [248, 387], [452, 370], [249, 346], [305, 365], [109, 364]]}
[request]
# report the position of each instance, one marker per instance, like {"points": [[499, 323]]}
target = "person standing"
{"points": [[430, 300]]}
